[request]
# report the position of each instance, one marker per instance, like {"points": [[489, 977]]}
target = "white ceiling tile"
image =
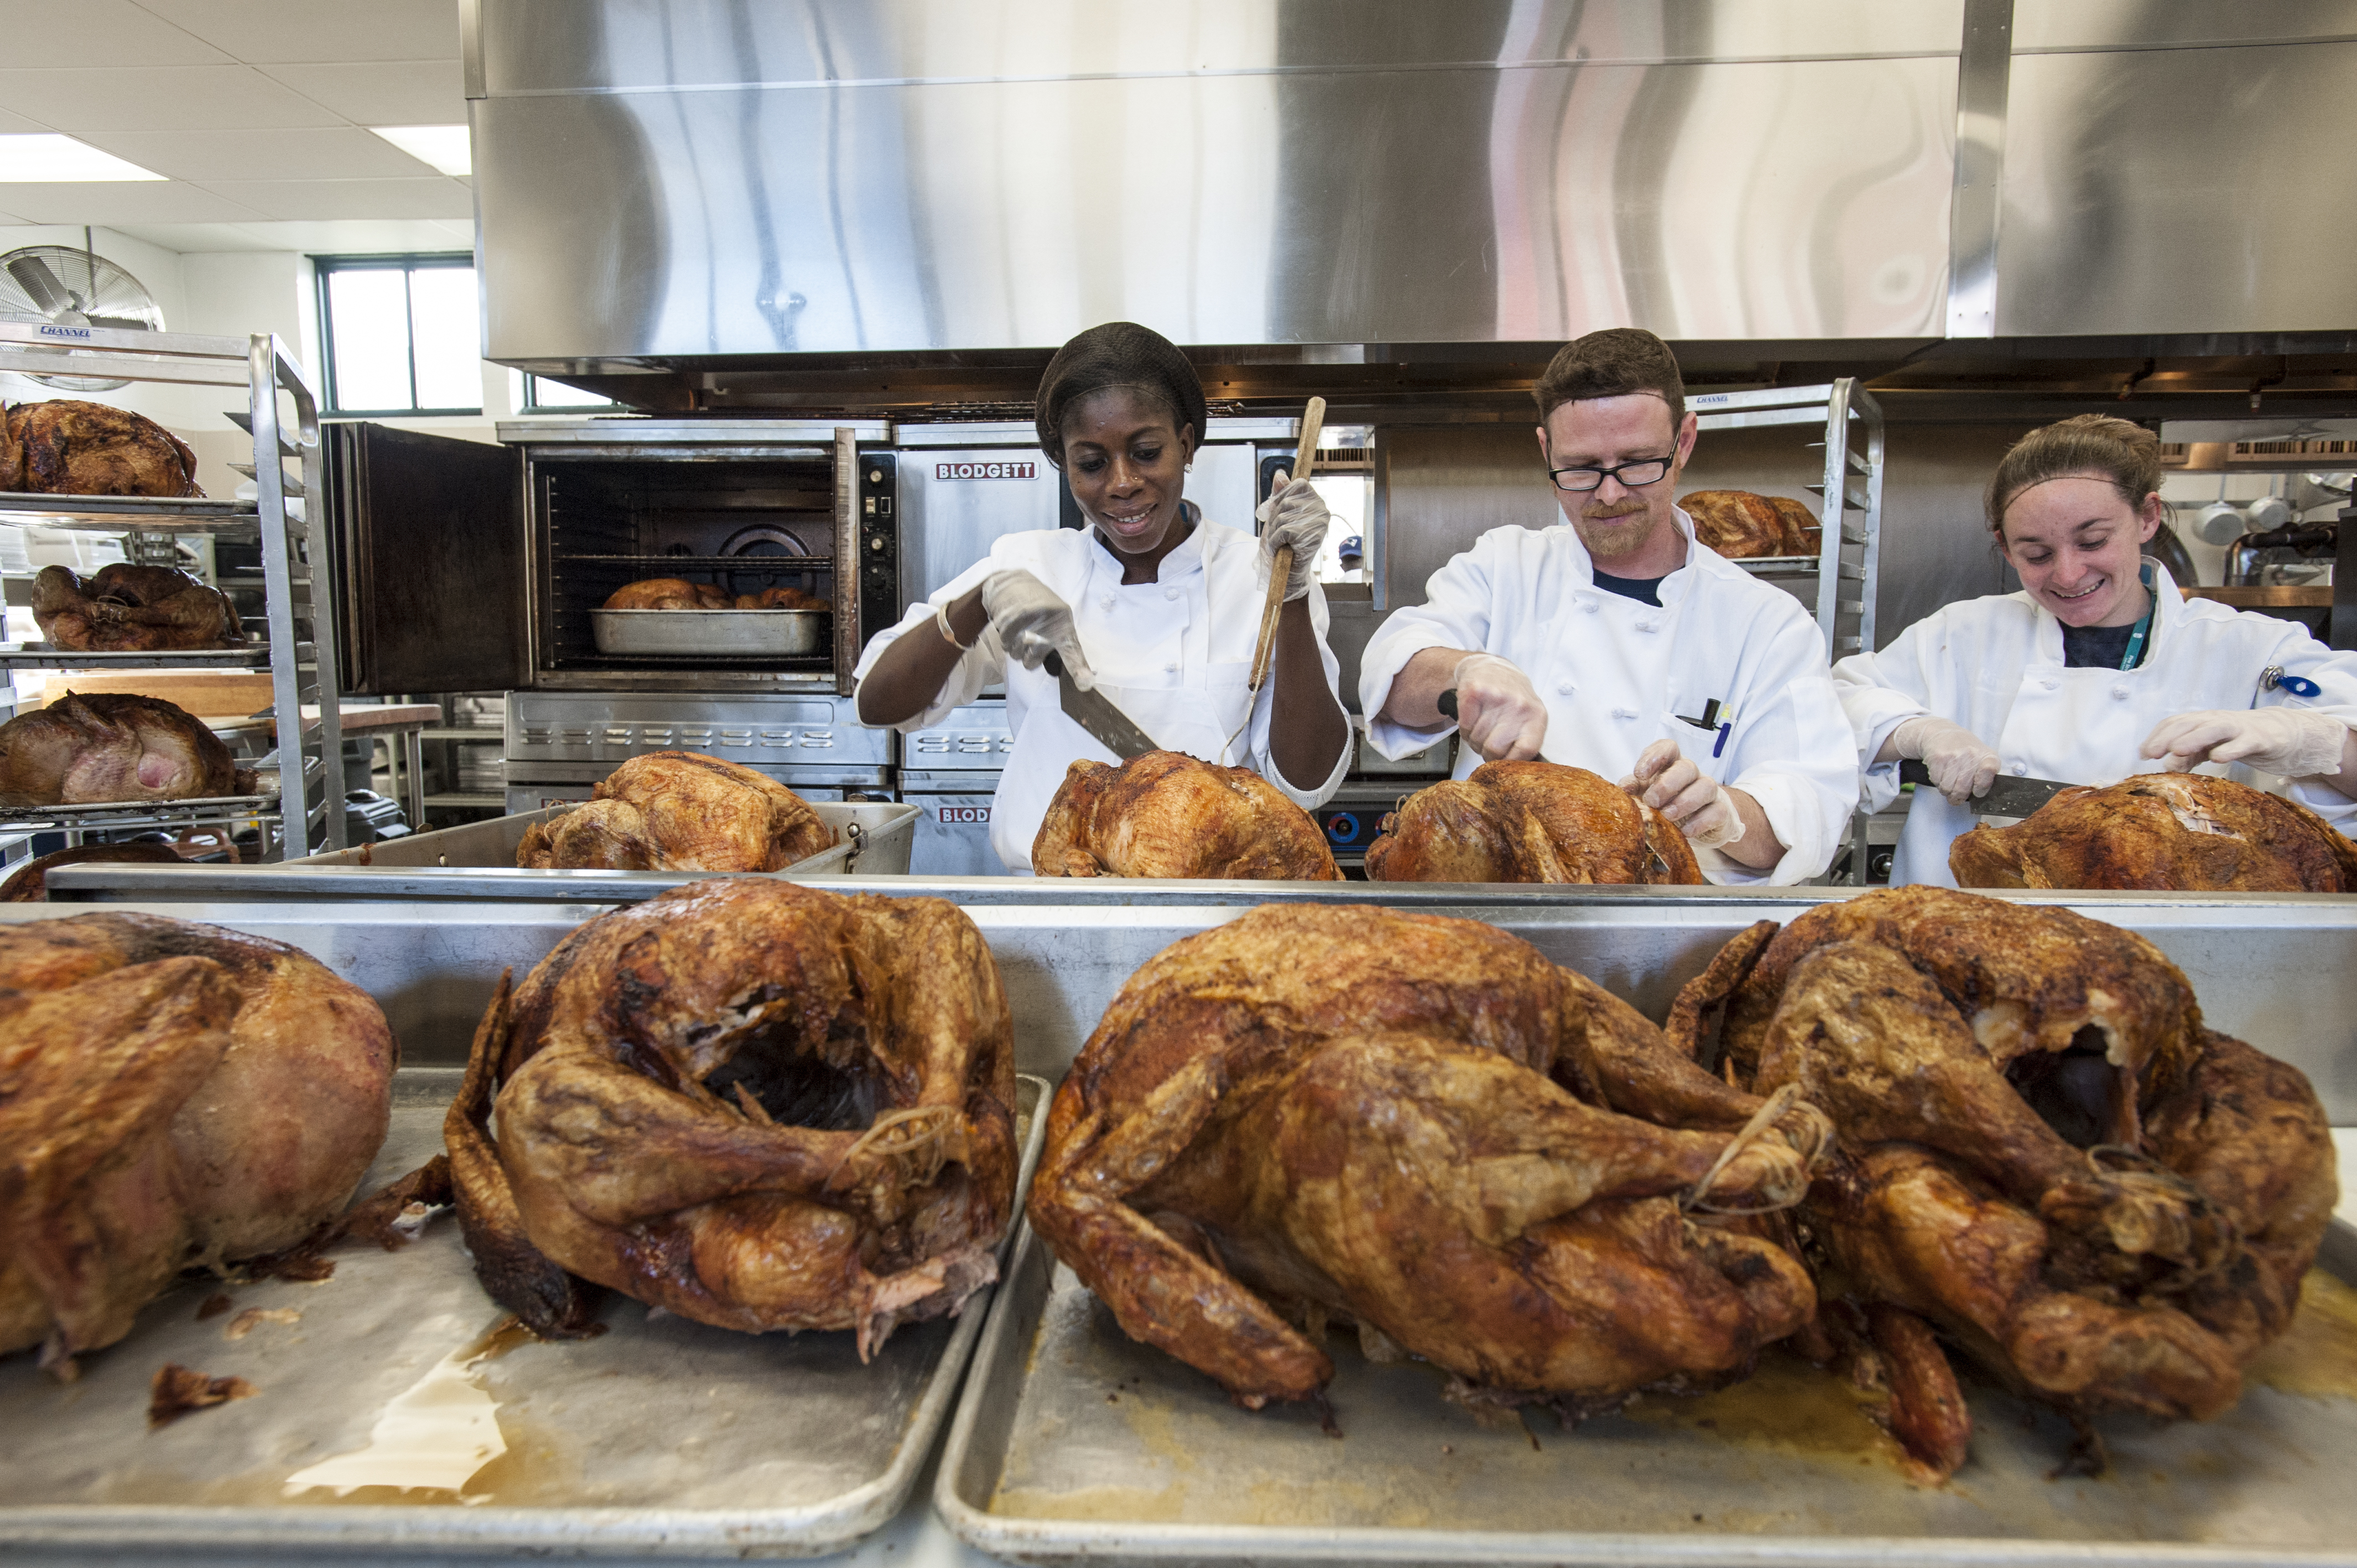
{"points": [[118, 204], [382, 92], [435, 198], [157, 98], [364, 236], [208, 157], [277, 31], [187, 237], [123, 34], [19, 123]]}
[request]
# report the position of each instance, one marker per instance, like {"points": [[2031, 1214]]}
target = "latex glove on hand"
{"points": [[2291, 743], [1032, 623], [1961, 764], [1668, 782], [1296, 515], [1498, 710]]}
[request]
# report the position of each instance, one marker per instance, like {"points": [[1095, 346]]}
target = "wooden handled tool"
{"points": [[1304, 457]]}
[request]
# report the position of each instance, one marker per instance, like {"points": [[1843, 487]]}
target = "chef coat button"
{"points": [[1109, 601], [1649, 626], [1563, 688], [2021, 769], [1588, 604], [1624, 712], [1171, 668], [2050, 684], [2120, 693], [1169, 593]]}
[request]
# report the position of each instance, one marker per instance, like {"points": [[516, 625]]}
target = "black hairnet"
{"points": [[1117, 354]]}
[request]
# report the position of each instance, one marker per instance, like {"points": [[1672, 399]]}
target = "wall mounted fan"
{"points": [[67, 287]]}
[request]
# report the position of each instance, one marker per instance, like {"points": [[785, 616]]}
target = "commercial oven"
{"points": [[950, 771]]}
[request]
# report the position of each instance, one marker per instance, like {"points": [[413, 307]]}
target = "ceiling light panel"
{"points": [[47, 158], [444, 147]]}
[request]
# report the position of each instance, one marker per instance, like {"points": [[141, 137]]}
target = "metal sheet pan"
{"points": [[876, 838], [658, 1438], [1071, 1441], [760, 634]]}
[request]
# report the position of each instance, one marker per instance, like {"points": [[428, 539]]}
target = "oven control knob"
{"points": [[878, 543]]}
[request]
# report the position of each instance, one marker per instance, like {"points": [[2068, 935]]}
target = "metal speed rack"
{"points": [[1846, 565], [308, 813]]}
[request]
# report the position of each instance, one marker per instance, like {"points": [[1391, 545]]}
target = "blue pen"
{"points": [[1720, 745]]}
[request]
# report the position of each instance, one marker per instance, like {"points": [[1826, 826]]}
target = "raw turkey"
{"points": [[756, 1104], [2047, 1162], [172, 1096], [1167, 814], [2169, 832], [1319, 1115], [112, 747], [123, 608], [67, 447], [680, 811], [1530, 822], [1738, 524]]}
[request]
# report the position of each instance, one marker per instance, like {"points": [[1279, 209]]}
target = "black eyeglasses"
{"points": [[1645, 471]]}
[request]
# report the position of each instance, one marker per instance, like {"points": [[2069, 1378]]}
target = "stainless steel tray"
{"points": [[115, 814], [1073, 1441], [114, 514], [764, 634], [658, 1438], [47, 656], [875, 839]]}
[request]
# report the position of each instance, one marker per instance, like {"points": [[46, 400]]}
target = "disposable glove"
{"points": [[2291, 743], [1032, 623], [1296, 515], [1701, 807], [1498, 710], [1961, 764]]}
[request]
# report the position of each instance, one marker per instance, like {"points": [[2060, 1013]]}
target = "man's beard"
{"points": [[1628, 533]]}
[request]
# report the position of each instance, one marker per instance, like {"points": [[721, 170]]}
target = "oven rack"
{"points": [[281, 416], [114, 816], [704, 562]]}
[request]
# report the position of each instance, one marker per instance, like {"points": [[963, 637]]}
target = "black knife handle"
{"points": [[1913, 772], [1446, 702], [1055, 664]]}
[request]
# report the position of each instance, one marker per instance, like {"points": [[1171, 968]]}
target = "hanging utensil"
{"points": [[1305, 459]]}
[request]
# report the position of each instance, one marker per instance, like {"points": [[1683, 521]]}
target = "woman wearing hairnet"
{"points": [[1153, 604], [2097, 669]]}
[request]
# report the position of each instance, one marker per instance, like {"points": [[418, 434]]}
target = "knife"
{"points": [[1095, 712], [2008, 797]]}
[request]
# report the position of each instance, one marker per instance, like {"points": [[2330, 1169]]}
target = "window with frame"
{"points": [[538, 394], [400, 335]]}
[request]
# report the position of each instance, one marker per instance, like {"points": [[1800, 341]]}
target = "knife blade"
{"points": [[2007, 796], [1095, 712]]}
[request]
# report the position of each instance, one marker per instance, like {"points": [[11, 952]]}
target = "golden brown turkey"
{"points": [[668, 594], [171, 1095], [112, 747], [1738, 524], [67, 447], [123, 608], [1169, 814], [2045, 1160], [680, 811], [28, 881], [756, 1104], [1530, 822], [782, 599], [1421, 1125], [2167, 831]]}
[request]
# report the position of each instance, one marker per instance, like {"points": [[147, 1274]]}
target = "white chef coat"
{"points": [[1995, 666], [1174, 654], [1615, 674]]}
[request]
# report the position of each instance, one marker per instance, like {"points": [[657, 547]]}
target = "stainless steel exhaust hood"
{"points": [[895, 203]]}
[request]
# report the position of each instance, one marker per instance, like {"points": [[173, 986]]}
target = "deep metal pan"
{"points": [[1073, 1442], [758, 634], [662, 1437]]}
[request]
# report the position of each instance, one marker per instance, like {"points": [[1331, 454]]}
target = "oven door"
{"points": [[426, 534]]}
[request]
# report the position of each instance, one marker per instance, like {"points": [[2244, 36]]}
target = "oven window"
{"points": [[402, 334]]}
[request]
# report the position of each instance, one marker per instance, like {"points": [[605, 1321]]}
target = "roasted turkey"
{"points": [[1738, 524], [1419, 1125], [1530, 822], [668, 594], [67, 447], [680, 811], [123, 608], [756, 1104], [172, 1096], [28, 883], [1167, 814], [2046, 1161], [112, 747], [782, 599], [2169, 832]]}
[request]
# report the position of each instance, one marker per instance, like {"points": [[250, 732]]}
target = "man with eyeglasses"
{"points": [[1623, 645]]}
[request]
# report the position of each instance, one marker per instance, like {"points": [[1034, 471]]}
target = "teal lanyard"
{"points": [[2129, 659]]}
